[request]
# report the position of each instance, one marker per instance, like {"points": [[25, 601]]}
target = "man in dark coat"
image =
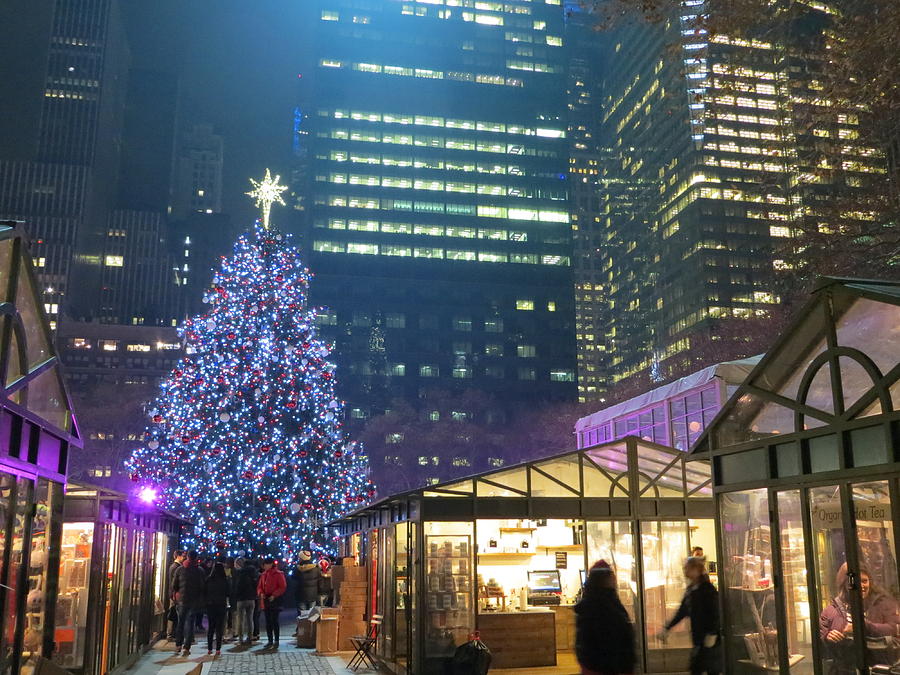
{"points": [[307, 578], [189, 590], [245, 580], [172, 616], [701, 605]]}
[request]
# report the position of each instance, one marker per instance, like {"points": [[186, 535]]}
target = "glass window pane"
{"points": [[877, 569], [742, 466], [613, 542], [823, 454], [788, 459], [869, 446], [596, 484], [45, 398], [515, 479], [798, 622], [564, 469], [829, 545], [38, 348], [542, 486], [664, 548], [13, 625], [71, 607], [449, 606], [748, 585], [819, 394], [855, 381], [873, 328]]}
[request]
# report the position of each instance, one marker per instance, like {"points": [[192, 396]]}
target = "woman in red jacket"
{"points": [[270, 589]]}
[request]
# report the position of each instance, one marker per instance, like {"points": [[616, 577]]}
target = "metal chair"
{"points": [[365, 646]]}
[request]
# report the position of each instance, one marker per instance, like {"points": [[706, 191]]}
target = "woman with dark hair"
{"points": [[604, 636], [217, 591], [836, 621]]}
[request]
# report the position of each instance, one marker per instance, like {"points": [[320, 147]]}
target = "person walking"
{"points": [[307, 577], [271, 588], [230, 632], [188, 589], [172, 616], [701, 605], [245, 582], [217, 592], [604, 636]]}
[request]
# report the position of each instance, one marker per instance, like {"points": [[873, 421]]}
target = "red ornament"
{"points": [[248, 475], [265, 448], [215, 451], [279, 278], [231, 336], [291, 404], [157, 418], [135, 477], [303, 453], [185, 439], [338, 453]]}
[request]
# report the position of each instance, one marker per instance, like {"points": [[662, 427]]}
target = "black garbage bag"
{"points": [[471, 658]]}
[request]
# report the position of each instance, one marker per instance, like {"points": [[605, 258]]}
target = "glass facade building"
{"points": [[431, 188], [720, 140]]}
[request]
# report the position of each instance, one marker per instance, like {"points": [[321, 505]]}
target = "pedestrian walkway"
{"points": [[288, 660]]}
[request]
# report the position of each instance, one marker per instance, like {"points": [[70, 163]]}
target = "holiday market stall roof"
{"points": [[732, 373], [601, 481], [836, 366]]}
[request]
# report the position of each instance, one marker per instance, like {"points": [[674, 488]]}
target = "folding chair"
{"points": [[365, 646]]}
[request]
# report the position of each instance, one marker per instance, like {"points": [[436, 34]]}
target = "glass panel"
{"points": [[702, 535], [823, 454], [798, 622], [788, 459], [855, 381], [14, 368], [748, 584], [462, 486], [542, 486], [819, 394], [835, 626], [114, 588], [387, 586], [613, 458], [873, 328], [870, 446], [753, 418], [7, 485], [878, 581], [47, 517], [743, 466], [5, 258], [38, 349], [613, 542], [449, 605], [13, 624], [402, 615], [787, 367], [664, 548], [563, 469], [596, 484], [515, 479], [46, 399]]}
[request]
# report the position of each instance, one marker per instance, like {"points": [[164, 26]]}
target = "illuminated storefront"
{"points": [[112, 580], [806, 470], [36, 435], [506, 553]]}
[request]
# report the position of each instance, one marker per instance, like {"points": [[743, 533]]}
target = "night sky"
{"points": [[237, 64]]}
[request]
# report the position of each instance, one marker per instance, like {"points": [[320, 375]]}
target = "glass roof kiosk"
{"points": [[506, 552], [806, 459], [37, 433]]}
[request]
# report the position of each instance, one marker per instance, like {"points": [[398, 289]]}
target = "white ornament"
{"points": [[329, 416], [295, 508], [153, 445], [210, 324], [260, 419], [277, 458], [333, 405], [224, 416], [257, 391]]}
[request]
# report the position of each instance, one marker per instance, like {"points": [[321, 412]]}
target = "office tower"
{"points": [[431, 194], [712, 138], [197, 180], [61, 178]]}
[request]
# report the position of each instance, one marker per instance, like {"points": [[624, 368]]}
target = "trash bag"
{"points": [[471, 658]]}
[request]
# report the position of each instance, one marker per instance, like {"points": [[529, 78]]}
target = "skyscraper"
{"points": [[431, 193], [197, 179], [707, 129], [61, 180]]}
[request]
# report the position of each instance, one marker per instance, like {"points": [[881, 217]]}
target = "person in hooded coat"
{"points": [[307, 577], [604, 636]]}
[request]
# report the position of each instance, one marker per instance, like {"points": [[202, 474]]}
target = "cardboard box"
{"points": [[327, 634], [306, 633]]}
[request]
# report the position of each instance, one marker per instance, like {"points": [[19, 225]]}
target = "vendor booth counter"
{"points": [[506, 553]]}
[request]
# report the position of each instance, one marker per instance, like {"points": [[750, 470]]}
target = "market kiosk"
{"points": [[506, 553], [115, 553], [806, 458], [37, 433]]}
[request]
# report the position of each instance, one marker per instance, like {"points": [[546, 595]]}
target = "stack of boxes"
{"points": [[350, 588]]}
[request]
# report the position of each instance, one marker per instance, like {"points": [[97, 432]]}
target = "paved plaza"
{"points": [[283, 662]]}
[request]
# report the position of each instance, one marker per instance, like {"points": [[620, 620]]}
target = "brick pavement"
{"points": [[288, 661]]}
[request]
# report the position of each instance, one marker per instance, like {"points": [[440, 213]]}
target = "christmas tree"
{"points": [[245, 437]]}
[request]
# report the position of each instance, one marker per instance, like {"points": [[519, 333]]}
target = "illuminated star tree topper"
{"points": [[267, 192]]}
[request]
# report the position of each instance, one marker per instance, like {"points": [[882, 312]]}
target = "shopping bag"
{"points": [[471, 658]]}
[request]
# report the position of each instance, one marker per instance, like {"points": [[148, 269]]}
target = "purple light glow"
{"points": [[147, 495]]}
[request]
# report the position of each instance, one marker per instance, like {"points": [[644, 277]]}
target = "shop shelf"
{"points": [[504, 558]]}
